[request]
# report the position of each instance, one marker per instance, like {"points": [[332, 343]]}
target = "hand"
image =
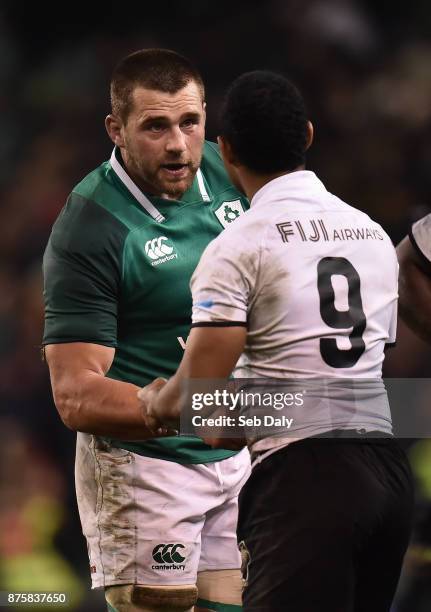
{"points": [[147, 396], [148, 393], [216, 436], [228, 443]]}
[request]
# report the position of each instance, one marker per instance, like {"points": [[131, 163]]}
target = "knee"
{"points": [[151, 598], [222, 587]]}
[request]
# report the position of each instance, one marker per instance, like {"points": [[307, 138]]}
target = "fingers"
{"points": [[164, 432], [158, 430], [146, 393]]}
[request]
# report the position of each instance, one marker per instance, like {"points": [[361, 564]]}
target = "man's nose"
{"points": [[176, 141]]}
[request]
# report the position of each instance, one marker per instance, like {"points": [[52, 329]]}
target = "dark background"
{"points": [[364, 68]]}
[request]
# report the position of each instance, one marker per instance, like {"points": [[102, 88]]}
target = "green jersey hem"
{"points": [[217, 606], [186, 453]]}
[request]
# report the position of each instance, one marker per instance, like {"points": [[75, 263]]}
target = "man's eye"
{"points": [[189, 123], [155, 127]]}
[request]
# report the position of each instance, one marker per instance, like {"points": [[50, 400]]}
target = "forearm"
{"points": [[102, 406], [168, 404], [211, 354]]}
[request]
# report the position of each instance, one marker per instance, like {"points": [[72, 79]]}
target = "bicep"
{"points": [[415, 271], [71, 363]]}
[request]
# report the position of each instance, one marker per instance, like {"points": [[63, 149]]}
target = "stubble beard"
{"points": [[176, 190], [150, 181]]}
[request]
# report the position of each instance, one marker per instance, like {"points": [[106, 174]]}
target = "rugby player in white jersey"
{"points": [[303, 286]]}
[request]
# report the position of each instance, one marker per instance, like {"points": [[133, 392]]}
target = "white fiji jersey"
{"points": [[420, 236], [314, 280]]}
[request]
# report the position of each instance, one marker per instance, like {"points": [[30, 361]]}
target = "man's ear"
{"points": [[114, 128], [204, 109], [310, 135], [226, 151]]}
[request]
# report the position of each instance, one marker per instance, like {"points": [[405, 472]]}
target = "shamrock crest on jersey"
{"points": [[229, 211]]}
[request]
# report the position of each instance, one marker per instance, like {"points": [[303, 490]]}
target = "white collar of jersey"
{"points": [[140, 196], [281, 187]]}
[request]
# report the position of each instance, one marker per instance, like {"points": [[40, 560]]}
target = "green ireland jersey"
{"points": [[117, 269]]}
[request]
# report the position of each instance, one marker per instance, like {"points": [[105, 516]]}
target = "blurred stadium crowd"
{"points": [[364, 70]]}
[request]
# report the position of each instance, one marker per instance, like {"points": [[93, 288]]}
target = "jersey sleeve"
{"points": [[82, 273], [420, 237], [392, 336], [222, 284], [393, 321]]}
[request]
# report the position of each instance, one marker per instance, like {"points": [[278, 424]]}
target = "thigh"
{"points": [[380, 559], [297, 534], [219, 590], [219, 547], [321, 520], [142, 517]]}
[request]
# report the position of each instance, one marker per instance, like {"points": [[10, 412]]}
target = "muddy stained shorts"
{"points": [[150, 521]]}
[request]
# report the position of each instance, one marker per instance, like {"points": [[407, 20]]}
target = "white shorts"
{"points": [[150, 521]]}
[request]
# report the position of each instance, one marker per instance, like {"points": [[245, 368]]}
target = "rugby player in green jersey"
{"points": [[159, 513]]}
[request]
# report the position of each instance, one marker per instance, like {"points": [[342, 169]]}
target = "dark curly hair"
{"points": [[263, 118]]}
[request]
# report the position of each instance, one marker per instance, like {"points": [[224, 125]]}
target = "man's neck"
{"points": [[252, 182]]}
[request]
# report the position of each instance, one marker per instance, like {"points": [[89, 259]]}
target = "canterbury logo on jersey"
{"points": [[160, 252], [168, 557]]}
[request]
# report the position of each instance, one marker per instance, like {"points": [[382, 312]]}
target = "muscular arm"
{"points": [[414, 290], [88, 401], [211, 352]]}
